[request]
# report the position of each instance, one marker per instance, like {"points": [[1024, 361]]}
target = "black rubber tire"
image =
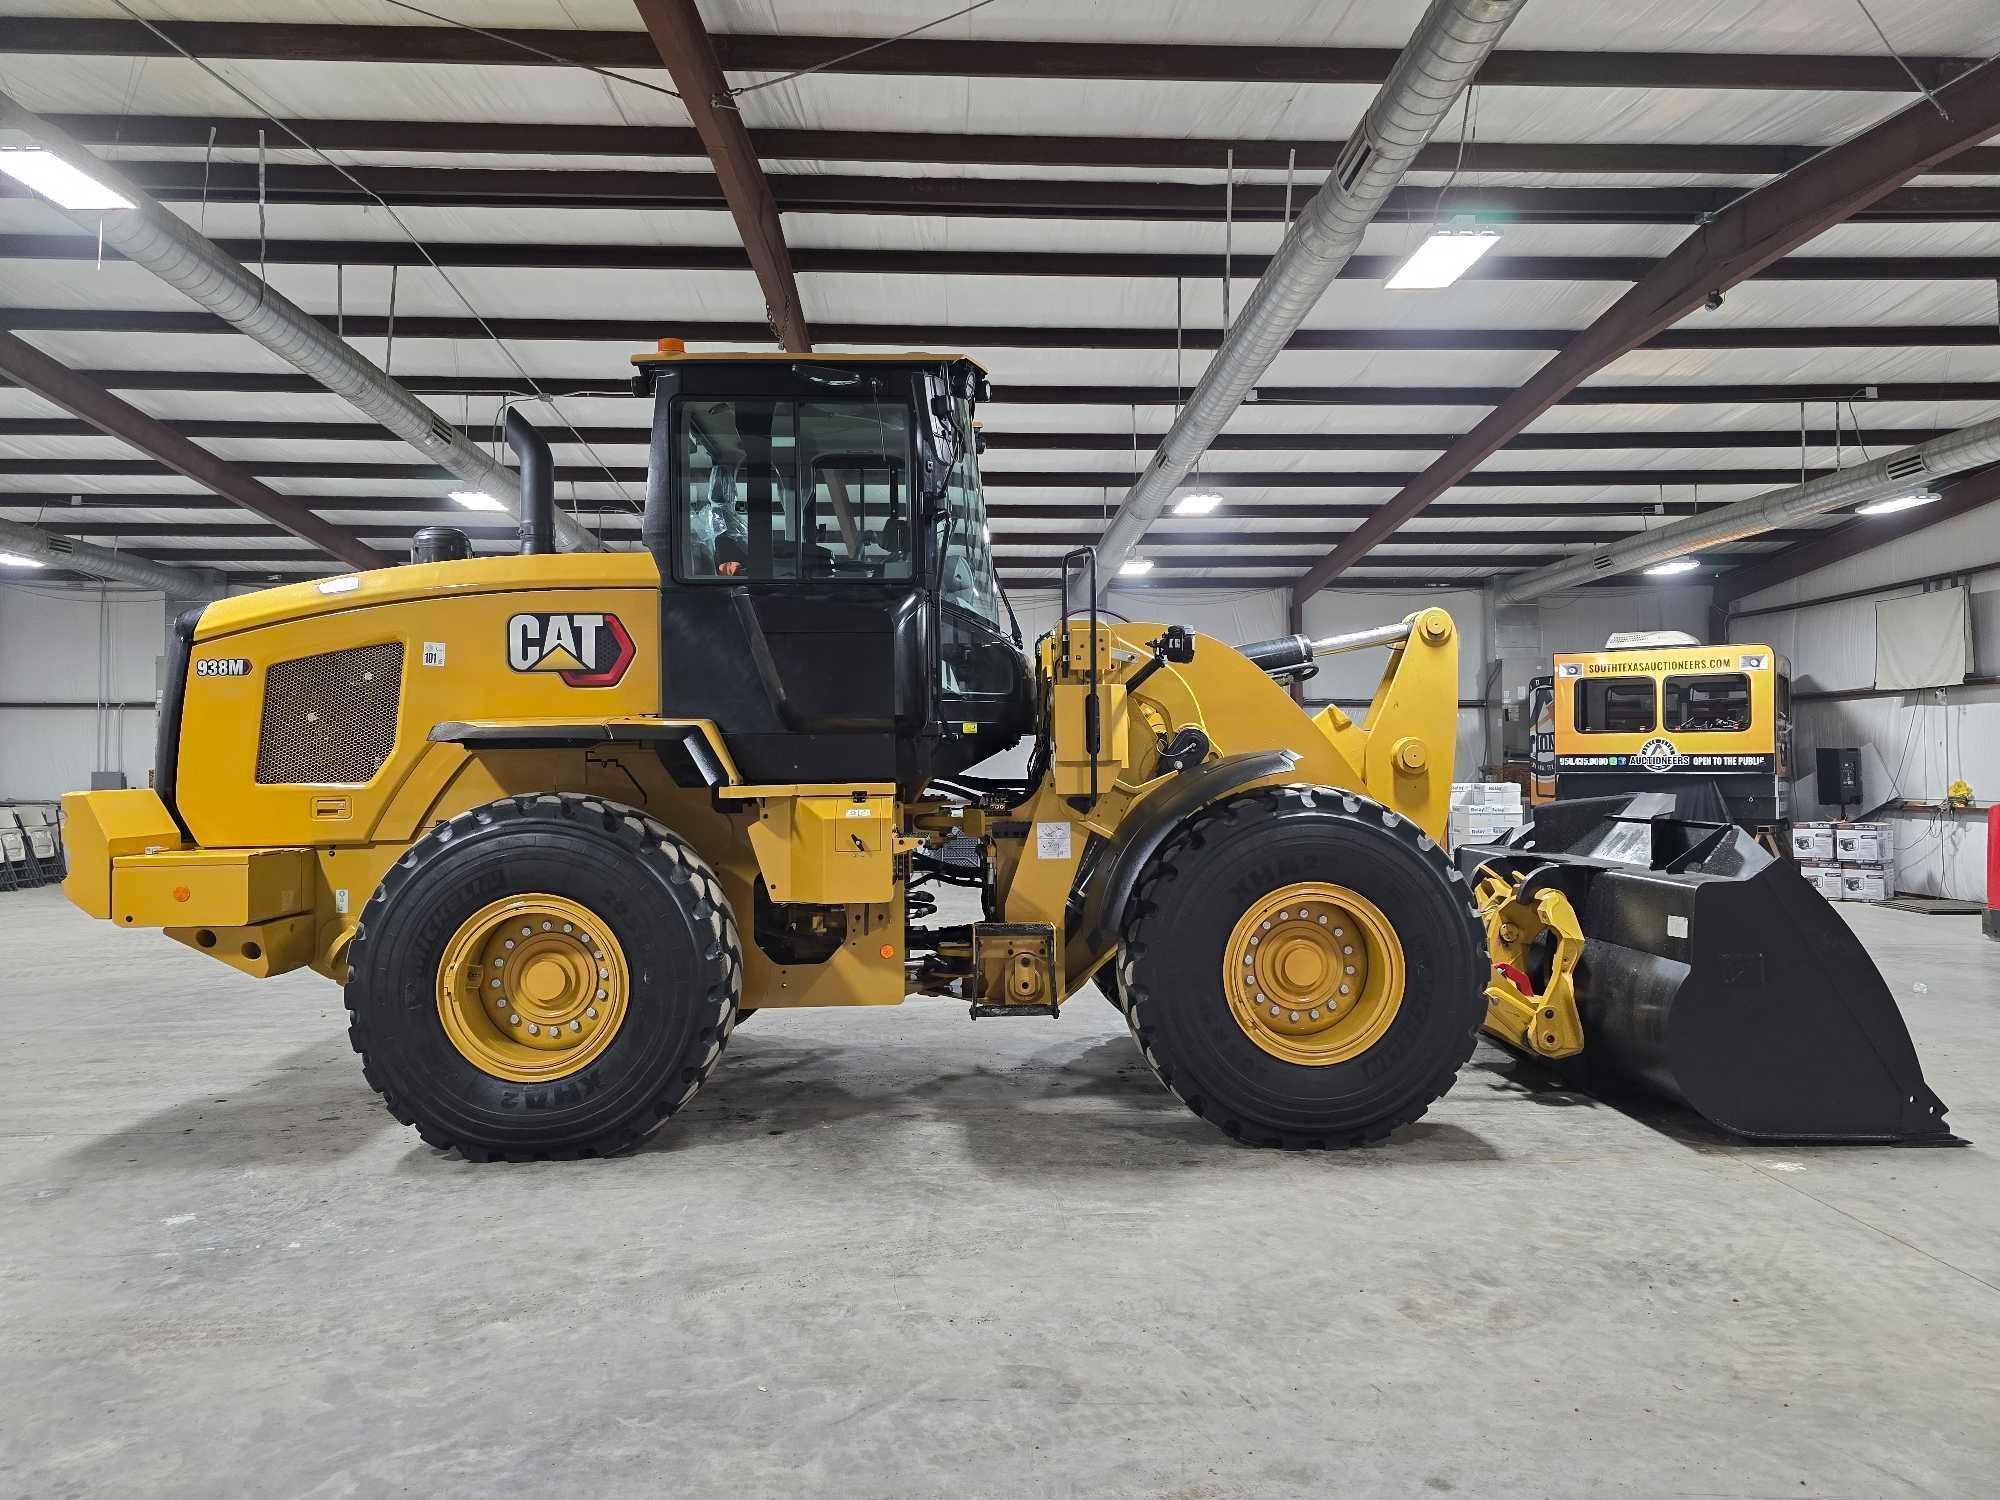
{"points": [[662, 903], [1213, 869]]}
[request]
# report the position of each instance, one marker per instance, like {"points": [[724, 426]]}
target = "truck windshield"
{"points": [[794, 489]]}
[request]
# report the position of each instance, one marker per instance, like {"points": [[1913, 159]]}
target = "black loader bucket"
{"points": [[1713, 974]]}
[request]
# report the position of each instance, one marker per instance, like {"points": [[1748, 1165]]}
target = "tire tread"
{"points": [[652, 842], [1167, 868]]}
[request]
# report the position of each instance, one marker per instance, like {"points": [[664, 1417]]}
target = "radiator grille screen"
{"points": [[330, 718]]}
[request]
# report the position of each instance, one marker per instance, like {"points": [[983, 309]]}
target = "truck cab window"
{"points": [[1615, 705], [815, 490], [1718, 702]]}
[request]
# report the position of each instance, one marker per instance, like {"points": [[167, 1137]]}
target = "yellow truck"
{"points": [[1641, 719]]}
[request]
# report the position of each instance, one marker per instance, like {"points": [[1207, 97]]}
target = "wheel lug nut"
{"points": [[513, 1020], [576, 1026], [590, 1011], [1295, 1015], [533, 1029], [602, 995]]}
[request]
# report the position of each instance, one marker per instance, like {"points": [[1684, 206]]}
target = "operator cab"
{"points": [[828, 593]]}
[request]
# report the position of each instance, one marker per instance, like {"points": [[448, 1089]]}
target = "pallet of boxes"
{"points": [[1482, 812], [1847, 861]]}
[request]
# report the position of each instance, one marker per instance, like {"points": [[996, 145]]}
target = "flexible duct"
{"points": [[101, 562], [1897, 474], [148, 235], [1443, 54]]}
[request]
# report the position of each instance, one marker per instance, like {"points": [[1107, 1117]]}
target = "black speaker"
{"points": [[1839, 777]]}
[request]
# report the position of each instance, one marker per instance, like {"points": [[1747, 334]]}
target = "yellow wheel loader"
{"points": [[558, 822]]}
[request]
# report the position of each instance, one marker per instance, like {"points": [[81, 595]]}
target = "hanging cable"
{"points": [[1907, 69], [207, 157], [263, 228], [389, 329], [529, 47], [834, 62], [1855, 421], [1228, 230]]}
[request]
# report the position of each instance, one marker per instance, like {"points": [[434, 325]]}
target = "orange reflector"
{"points": [[673, 346], [888, 950], [182, 893]]}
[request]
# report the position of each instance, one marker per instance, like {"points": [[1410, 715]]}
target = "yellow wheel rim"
{"points": [[532, 988], [1314, 973]]}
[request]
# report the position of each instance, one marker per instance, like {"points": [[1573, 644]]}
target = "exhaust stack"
{"points": [[538, 483]]}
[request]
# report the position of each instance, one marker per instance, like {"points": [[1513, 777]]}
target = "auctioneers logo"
{"points": [[585, 650], [1658, 754]]}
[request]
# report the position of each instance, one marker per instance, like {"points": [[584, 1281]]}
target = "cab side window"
{"points": [[795, 490], [1615, 705], [1718, 703]]}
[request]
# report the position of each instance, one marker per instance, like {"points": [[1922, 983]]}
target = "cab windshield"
{"points": [[969, 580]]}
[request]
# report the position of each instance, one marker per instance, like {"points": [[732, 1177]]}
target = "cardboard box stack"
{"points": [[1867, 854], [1482, 812], [1813, 848], [1847, 861]]}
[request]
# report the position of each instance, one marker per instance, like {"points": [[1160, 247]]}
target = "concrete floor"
{"points": [[898, 1253]]}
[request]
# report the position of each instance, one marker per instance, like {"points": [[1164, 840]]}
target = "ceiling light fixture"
{"points": [[476, 500], [1673, 565], [1201, 503], [1895, 503], [1135, 567], [1440, 260], [16, 560], [55, 179]]}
